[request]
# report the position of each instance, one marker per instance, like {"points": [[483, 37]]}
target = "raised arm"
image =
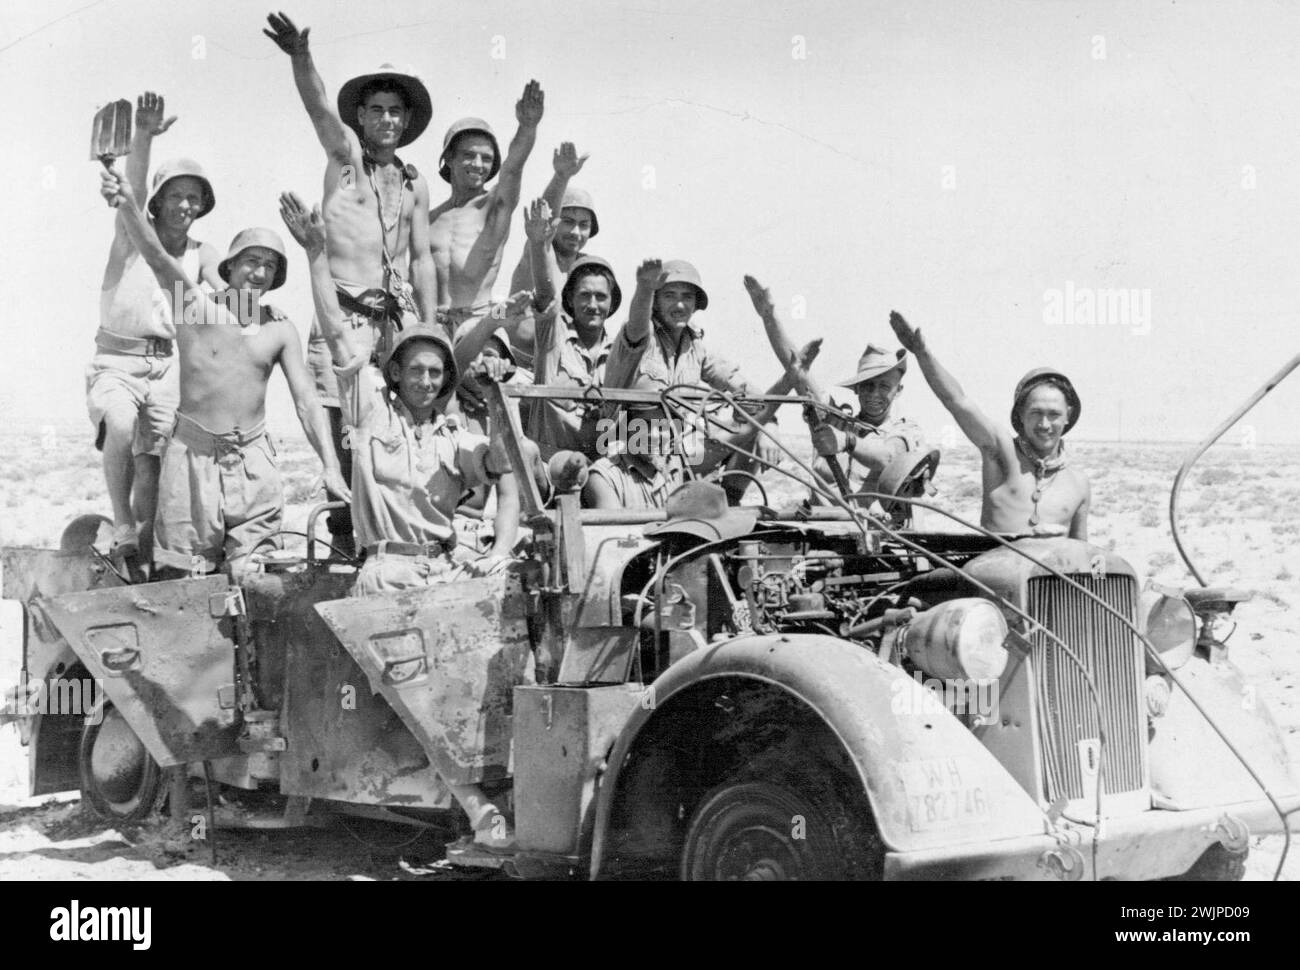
{"points": [[539, 227], [334, 136], [650, 276], [528, 112], [567, 163], [424, 279], [983, 433], [308, 229], [149, 124]]}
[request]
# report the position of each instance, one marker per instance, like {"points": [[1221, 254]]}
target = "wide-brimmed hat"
{"points": [[176, 168], [433, 334], [575, 198], [700, 509], [680, 271], [566, 291], [874, 362], [247, 239], [418, 102], [478, 126], [1044, 375]]}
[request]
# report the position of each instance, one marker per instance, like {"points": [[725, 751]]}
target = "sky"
{"points": [[991, 170]]}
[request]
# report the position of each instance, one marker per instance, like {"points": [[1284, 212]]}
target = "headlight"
{"points": [[960, 639], [1171, 624]]}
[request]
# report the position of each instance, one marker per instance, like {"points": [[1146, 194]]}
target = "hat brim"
{"points": [[615, 293], [867, 373], [281, 272], [1042, 376], [418, 103], [450, 380], [735, 522], [595, 223], [444, 170], [209, 197]]}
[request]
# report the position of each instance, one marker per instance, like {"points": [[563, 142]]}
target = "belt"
{"points": [[196, 437], [141, 346], [427, 549], [383, 312]]}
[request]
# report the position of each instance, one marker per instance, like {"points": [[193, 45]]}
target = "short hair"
{"points": [[1055, 382], [382, 86]]}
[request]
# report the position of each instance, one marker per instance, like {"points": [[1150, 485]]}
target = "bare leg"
{"points": [[119, 466], [145, 500]]}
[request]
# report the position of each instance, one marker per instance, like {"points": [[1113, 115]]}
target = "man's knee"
{"points": [[118, 428]]}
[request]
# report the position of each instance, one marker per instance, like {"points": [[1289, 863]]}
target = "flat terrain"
{"points": [[1240, 521]]}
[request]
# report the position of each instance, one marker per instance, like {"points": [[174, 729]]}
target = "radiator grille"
{"points": [[1068, 714]]}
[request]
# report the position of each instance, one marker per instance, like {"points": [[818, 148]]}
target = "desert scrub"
{"points": [[1159, 560], [1149, 518], [1218, 475]]}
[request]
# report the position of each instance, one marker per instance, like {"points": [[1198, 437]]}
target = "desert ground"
{"points": [[1241, 524]]}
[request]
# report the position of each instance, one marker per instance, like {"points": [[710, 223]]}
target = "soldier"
{"points": [[412, 465], [1028, 486], [131, 388], [468, 231], [573, 342], [376, 210], [220, 495]]}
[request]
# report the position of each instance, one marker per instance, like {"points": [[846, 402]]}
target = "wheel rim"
{"points": [[119, 763]]}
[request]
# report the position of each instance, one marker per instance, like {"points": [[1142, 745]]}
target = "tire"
{"points": [[1217, 864], [120, 780]]}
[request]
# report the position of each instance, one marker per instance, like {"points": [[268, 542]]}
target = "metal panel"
{"points": [[1069, 716], [562, 735], [446, 658], [161, 657]]}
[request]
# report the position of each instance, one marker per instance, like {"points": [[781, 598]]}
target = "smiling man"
{"points": [[468, 231], [220, 495], [131, 390], [1028, 486], [376, 211]]}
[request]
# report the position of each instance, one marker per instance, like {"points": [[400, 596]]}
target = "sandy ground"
{"points": [[1241, 524]]}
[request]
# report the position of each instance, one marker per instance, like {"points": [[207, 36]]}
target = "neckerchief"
{"points": [[1043, 467]]}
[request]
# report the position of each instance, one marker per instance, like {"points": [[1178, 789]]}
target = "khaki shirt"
{"points": [[631, 481], [407, 479], [861, 478], [561, 360], [655, 363]]}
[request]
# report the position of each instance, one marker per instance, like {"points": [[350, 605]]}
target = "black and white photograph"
{"points": [[656, 441]]}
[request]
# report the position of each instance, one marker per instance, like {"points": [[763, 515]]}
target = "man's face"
{"points": [[1043, 415], [574, 230], [675, 303], [419, 375], [180, 202], [591, 301], [470, 161], [383, 118], [875, 396], [254, 269]]}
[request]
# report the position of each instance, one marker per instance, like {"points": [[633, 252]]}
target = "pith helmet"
{"points": [[418, 102], [249, 238], [175, 168], [479, 126], [434, 335], [566, 292], [875, 362], [1042, 375], [680, 271], [581, 199]]}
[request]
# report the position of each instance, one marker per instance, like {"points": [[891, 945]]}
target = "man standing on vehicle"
{"points": [[131, 386], [1028, 486], [412, 464], [468, 231], [376, 210], [220, 495]]}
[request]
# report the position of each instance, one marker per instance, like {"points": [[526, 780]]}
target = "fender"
{"points": [[929, 781], [1215, 776]]}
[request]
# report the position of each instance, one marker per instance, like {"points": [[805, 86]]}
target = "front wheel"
{"points": [[764, 832], [120, 780]]}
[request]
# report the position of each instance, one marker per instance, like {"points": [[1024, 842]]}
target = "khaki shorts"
{"points": [[142, 390], [219, 496], [389, 574], [320, 363]]}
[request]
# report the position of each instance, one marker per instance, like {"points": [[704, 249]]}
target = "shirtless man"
{"points": [[468, 232], [1028, 485], [376, 211], [131, 390], [219, 492], [575, 226], [406, 487]]}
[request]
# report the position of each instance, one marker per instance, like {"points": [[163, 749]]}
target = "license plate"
{"points": [[943, 793]]}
